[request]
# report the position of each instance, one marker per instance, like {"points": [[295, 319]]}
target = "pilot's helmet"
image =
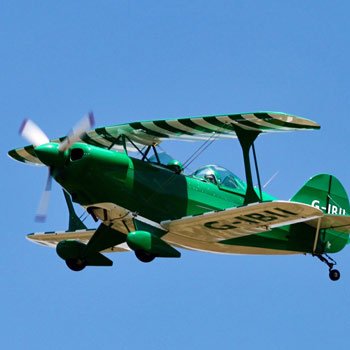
{"points": [[176, 166]]}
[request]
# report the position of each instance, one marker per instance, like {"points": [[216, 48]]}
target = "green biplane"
{"points": [[146, 203]]}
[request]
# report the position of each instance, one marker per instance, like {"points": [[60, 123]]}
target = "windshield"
{"points": [[164, 158], [219, 176]]}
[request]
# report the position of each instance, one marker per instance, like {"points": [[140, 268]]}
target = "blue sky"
{"points": [[135, 60]]}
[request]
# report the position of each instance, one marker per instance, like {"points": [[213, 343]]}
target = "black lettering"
{"points": [[261, 217], [286, 211], [214, 225], [277, 214], [244, 218]]}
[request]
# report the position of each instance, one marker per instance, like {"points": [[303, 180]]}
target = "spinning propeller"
{"points": [[32, 133]]}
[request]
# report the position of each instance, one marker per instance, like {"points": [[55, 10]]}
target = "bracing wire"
{"points": [[193, 157], [200, 150]]}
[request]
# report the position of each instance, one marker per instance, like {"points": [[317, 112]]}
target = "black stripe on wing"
{"points": [[219, 124], [107, 136], [202, 129], [164, 125], [15, 155], [91, 141], [139, 126], [244, 122], [30, 150]]}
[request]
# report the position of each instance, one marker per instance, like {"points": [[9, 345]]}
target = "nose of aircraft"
{"points": [[50, 154]]}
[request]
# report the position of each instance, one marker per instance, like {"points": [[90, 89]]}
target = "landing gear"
{"points": [[76, 264], [144, 256], [334, 274]]}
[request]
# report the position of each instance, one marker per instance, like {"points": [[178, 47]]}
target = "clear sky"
{"points": [[135, 60]]}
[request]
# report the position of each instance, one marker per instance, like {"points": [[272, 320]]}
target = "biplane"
{"points": [[146, 203]]}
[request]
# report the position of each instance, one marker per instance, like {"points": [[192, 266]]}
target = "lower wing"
{"points": [[242, 221], [51, 239]]}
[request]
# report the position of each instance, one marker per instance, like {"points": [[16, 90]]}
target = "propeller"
{"points": [[32, 133], [80, 129], [41, 212]]}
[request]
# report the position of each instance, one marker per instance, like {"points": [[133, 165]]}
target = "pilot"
{"points": [[210, 177]]}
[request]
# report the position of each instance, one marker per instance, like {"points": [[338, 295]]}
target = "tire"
{"points": [[76, 264], [334, 275], [144, 256]]}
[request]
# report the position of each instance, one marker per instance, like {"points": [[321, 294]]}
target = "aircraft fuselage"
{"points": [[94, 175]]}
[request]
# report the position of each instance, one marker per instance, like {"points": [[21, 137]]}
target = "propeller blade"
{"points": [[84, 125], [32, 133], [41, 212]]}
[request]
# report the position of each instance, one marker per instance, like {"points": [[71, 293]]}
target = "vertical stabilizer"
{"points": [[326, 193]]}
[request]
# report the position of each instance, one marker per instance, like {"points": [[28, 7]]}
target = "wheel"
{"points": [[144, 256], [76, 264], [334, 275]]}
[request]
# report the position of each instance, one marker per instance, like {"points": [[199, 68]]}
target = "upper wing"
{"points": [[237, 222], [333, 222], [51, 239], [191, 129]]}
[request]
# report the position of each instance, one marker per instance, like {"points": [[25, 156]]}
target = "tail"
{"points": [[326, 193]]}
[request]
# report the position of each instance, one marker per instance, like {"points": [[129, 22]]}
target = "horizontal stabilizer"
{"points": [[51, 239], [337, 223], [237, 222]]}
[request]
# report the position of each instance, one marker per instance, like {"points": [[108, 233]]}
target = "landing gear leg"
{"points": [[334, 274]]}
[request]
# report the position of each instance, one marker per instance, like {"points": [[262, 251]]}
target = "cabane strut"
{"points": [[246, 140]]}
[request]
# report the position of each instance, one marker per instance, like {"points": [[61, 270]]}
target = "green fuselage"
{"points": [[98, 175]]}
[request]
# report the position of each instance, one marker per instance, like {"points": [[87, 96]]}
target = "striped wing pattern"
{"points": [[188, 129]]}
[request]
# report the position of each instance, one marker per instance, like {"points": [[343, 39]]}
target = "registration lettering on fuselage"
{"points": [[332, 209]]}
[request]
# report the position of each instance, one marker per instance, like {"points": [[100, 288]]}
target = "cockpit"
{"points": [[220, 177], [168, 162], [217, 175]]}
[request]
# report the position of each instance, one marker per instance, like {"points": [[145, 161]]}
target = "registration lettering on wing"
{"points": [[258, 219]]}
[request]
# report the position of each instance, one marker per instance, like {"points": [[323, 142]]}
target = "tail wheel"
{"points": [[76, 264], [144, 256], [334, 275]]}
